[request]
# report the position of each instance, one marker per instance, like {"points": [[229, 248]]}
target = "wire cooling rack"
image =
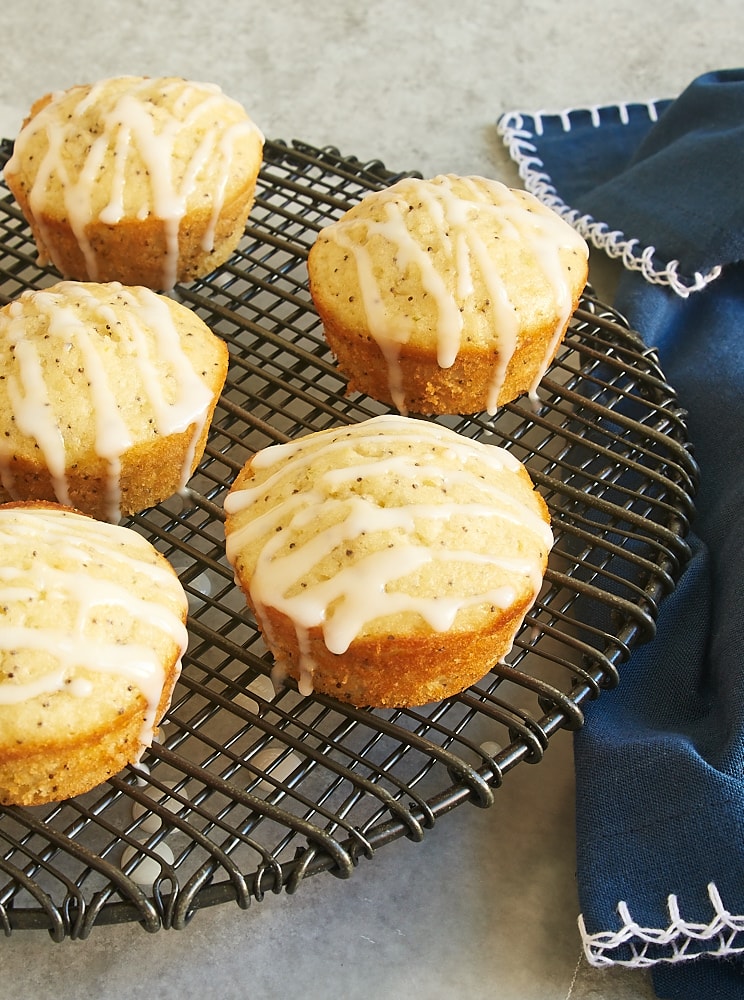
{"points": [[250, 790]]}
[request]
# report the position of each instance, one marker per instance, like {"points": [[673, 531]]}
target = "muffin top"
{"points": [[390, 525], [88, 370], [449, 264], [90, 614], [130, 147]]}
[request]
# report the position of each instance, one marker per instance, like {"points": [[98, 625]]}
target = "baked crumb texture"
{"points": [[92, 631], [449, 295], [147, 181], [389, 563], [107, 393]]}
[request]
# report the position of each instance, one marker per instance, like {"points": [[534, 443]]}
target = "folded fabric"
{"points": [[660, 760], [656, 184]]}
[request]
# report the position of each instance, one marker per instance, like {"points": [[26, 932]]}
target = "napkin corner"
{"points": [[524, 132]]}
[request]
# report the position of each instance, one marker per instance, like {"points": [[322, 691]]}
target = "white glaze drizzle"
{"points": [[451, 212], [361, 591], [129, 126], [77, 314], [76, 541], [31, 406]]}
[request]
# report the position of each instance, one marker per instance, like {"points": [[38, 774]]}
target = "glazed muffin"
{"points": [[449, 295], [139, 180], [106, 396], [388, 563], [92, 632]]}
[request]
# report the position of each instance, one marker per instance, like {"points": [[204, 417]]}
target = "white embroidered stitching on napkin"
{"points": [[516, 129], [681, 939]]}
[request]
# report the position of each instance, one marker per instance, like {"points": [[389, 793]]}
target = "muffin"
{"points": [[138, 180], [92, 631], [389, 563], [106, 396], [449, 295]]}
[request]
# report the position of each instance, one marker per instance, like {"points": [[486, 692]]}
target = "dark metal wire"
{"points": [[252, 791]]}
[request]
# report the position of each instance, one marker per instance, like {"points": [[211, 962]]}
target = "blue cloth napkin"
{"points": [[660, 760]]}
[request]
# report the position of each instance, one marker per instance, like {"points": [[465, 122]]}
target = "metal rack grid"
{"points": [[251, 790]]}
